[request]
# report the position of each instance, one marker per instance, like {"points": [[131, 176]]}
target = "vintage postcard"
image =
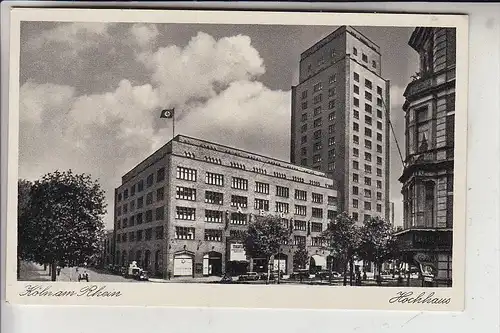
{"points": [[237, 159]]}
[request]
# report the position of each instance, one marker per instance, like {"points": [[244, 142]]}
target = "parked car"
{"points": [[226, 279], [263, 276], [250, 276], [300, 275], [142, 276], [83, 276]]}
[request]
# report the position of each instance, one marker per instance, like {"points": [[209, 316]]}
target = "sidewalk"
{"points": [[33, 272], [205, 279]]}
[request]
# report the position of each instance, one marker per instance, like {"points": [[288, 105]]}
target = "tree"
{"points": [[300, 257], [24, 229], [341, 240], [67, 211], [264, 237], [377, 243]]}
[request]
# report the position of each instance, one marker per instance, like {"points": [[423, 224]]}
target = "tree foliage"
{"points": [[265, 235], [377, 242], [300, 257], [65, 218]]}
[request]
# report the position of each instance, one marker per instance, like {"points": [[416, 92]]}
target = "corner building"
{"points": [[430, 139], [182, 211], [340, 120]]}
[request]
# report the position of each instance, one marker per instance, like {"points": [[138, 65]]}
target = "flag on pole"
{"points": [[167, 113]]}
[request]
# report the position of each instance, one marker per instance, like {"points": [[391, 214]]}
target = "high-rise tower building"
{"points": [[340, 120]]}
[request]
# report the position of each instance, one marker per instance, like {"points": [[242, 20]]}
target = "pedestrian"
{"points": [[58, 268]]}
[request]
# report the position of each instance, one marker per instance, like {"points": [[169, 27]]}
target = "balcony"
{"points": [[418, 239], [428, 81]]}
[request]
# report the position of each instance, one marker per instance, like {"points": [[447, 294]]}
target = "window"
{"points": [[368, 84], [213, 235], [185, 213], [124, 223], [301, 195], [368, 193], [368, 144], [317, 87], [317, 110], [149, 198], [379, 184], [379, 195], [368, 120], [355, 127], [317, 122], [148, 234], [317, 146], [300, 225], [368, 132], [139, 218], [379, 125], [331, 104], [368, 205], [364, 57], [354, 51], [317, 212], [184, 233], [131, 236], [379, 101], [374, 64], [331, 214], [239, 201], [379, 149], [356, 101], [379, 113], [214, 197], [282, 191], [304, 105], [159, 213], [379, 136], [317, 198], [140, 186], [331, 166], [317, 134], [331, 154], [331, 141], [303, 139], [379, 91], [332, 78], [304, 117], [185, 193], [304, 94], [317, 99], [355, 152], [368, 96], [332, 91], [355, 139], [261, 204], [298, 240], [125, 208], [239, 183], [132, 190], [125, 194], [355, 203], [150, 180], [186, 174], [262, 188], [356, 89], [355, 165], [355, 216], [300, 210], [379, 172], [331, 129], [303, 151], [213, 216], [368, 181], [238, 218], [317, 158], [316, 227], [368, 168], [379, 208], [119, 197], [149, 216], [214, 179], [355, 177], [356, 77], [368, 157], [356, 114], [159, 232], [139, 235], [379, 160], [124, 237], [282, 207], [331, 116], [160, 194], [131, 221], [332, 201], [368, 108], [304, 162]]}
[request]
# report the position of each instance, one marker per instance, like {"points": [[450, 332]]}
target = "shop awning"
{"points": [[319, 260]]}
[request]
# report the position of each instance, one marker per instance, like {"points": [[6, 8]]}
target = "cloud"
{"points": [[144, 34], [74, 36], [212, 84]]}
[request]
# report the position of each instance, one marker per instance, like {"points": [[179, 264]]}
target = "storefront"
{"points": [[212, 264], [183, 264], [237, 263]]}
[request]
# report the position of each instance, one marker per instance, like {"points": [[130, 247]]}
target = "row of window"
{"points": [[364, 57], [367, 192], [368, 121], [367, 205], [139, 235], [133, 205], [139, 186], [139, 218]]}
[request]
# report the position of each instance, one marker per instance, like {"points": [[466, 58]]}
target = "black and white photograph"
{"points": [[303, 156]]}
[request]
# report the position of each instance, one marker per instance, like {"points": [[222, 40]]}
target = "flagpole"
{"points": [[173, 123]]}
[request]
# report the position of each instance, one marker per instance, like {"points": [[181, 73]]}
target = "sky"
{"points": [[91, 93]]}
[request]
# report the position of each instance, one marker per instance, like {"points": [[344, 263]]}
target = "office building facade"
{"points": [[428, 172], [184, 209], [340, 120]]}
